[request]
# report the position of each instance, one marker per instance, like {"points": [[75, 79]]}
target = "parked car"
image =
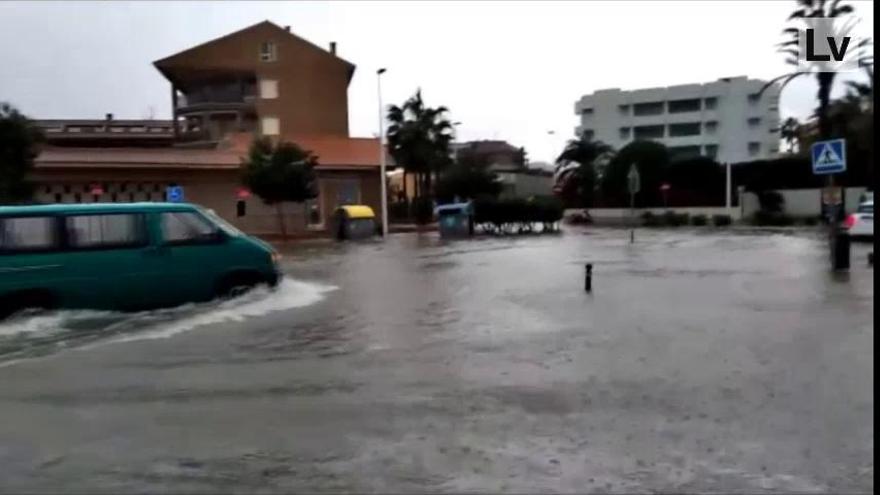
{"points": [[124, 256], [861, 223]]}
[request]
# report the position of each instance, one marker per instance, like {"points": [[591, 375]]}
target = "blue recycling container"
{"points": [[455, 220]]}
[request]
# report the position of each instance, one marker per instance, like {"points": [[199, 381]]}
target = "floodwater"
{"points": [[702, 361]]}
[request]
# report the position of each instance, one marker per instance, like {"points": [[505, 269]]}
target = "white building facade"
{"points": [[727, 120]]}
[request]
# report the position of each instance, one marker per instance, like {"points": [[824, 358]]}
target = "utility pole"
{"points": [[383, 178]]}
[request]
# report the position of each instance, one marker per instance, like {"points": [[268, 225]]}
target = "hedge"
{"points": [[518, 215]]}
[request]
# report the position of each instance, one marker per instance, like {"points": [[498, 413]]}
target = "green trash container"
{"points": [[352, 222], [455, 220]]}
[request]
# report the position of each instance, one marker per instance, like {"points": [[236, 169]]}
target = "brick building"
{"points": [[259, 81]]}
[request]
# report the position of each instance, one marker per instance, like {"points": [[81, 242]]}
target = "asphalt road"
{"points": [[702, 361]]}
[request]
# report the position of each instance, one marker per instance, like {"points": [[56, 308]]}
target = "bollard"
{"points": [[588, 279]]}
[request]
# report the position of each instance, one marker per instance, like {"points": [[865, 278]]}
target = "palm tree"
{"points": [[578, 164], [419, 138], [789, 131], [810, 10]]}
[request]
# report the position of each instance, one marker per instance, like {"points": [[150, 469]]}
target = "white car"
{"points": [[861, 223]]}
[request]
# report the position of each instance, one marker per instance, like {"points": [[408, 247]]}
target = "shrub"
{"points": [[699, 220], [580, 218], [721, 220], [651, 220], [399, 210], [673, 219], [506, 214], [423, 210], [771, 201], [766, 218]]}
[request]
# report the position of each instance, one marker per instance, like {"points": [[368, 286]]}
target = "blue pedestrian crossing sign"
{"points": [[174, 194], [829, 157]]}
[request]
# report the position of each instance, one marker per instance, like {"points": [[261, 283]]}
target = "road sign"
{"points": [[174, 194], [829, 157], [633, 180]]}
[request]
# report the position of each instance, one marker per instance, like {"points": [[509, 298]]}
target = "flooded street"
{"points": [[701, 361]]}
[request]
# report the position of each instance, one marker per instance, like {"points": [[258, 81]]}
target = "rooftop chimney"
{"points": [[109, 116], [287, 28], [333, 47]]}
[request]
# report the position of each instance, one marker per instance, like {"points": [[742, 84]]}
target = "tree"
{"points": [[576, 169], [789, 131], [19, 146], [697, 181], [419, 139], [466, 182], [652, 160], [280, 173], [808, 11]]}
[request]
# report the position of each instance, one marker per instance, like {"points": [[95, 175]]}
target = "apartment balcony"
{"points": [[215, 103]]}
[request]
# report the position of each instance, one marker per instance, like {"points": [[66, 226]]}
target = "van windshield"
{"points": [[223, 224]]}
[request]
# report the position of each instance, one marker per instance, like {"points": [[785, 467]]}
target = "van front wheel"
{"points": [[237, 284]]}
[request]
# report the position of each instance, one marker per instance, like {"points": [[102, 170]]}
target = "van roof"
{"points": [[93, 208]]}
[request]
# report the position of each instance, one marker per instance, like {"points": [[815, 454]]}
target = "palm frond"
{"points": [[785, 78]]}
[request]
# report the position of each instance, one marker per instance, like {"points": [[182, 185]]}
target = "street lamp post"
{"points": [[383, 177]]}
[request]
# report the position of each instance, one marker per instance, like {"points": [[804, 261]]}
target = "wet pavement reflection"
{"points": [[701, 361]]}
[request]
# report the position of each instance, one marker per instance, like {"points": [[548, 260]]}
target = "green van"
{"points": [[127, 257]]}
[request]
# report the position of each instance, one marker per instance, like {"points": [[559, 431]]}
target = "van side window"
{"points": [[111, 230], [22, 234], [185, 227]]}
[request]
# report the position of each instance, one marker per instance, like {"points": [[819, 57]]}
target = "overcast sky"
{"points": [[506, 70]]}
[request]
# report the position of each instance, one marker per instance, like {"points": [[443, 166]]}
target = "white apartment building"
{"points": [[726, 120]]}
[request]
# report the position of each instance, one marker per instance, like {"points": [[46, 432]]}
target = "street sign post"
{"points": [[829, 158], [634, 184], [174, 194]]}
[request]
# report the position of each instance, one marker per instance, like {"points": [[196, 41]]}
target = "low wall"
{"points": [[802, 202], [620, 216]]}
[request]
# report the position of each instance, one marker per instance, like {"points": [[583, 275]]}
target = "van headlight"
{"points": [[275, 256]]}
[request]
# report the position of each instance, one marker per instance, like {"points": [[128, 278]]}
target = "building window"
{"points": [[348, 193], [754, 121], [625, 133], [711, 127], [588, 133], [587, 111], [268, 89], [27, 234], [754, 148], [648, 131], [112, 230], [689, 129], [271, 126], [623, 109], [268, 52], [711, 103], [682, 106], [711, 151], [754, 98], [57, 197], [654, 108]]}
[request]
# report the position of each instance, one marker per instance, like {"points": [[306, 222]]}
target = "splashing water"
{"points": [[41, 334]]}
